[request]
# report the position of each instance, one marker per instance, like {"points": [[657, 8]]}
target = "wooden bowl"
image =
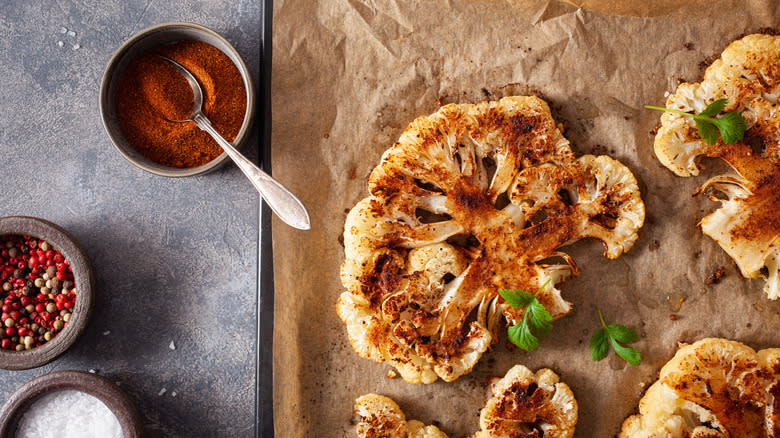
{"points": [[83, 275], [98, 386]]}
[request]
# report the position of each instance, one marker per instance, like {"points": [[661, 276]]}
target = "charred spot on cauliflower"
{"points": [[523, 404], [747, 225], [712, 388], [472, 199]]}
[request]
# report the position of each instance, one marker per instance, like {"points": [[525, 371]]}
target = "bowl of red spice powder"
{"points": [[143, 99], [47, 286]]}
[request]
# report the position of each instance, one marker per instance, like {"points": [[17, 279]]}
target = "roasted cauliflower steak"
{"points": [[523, 404], [713, 388], [471, 199], [747, 224]]}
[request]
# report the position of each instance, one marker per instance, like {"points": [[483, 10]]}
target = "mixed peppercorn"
{"points": [[38, 292]]}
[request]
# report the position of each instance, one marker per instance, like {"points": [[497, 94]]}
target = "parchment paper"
{"points": [[349, 75]]}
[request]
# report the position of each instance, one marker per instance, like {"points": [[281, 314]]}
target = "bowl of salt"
{"points": [[70, 403]]}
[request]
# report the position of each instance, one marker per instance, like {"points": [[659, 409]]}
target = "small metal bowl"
{"points": [[148, 39], [83, 275], [97, 386]]}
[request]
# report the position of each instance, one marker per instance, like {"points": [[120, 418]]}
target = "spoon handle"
{"points": [[289, 208]]}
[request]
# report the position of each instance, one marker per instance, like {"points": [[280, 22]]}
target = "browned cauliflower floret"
{"points": [[470, 200], [524, 404], [529, 405], [380, 417], [747, 226], [710, 389]]}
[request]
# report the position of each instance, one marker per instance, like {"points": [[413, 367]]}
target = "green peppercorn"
{"points": [[51, 307], [39, 282], [66, 317], [45, 277], [47, 336], [45, 245], [7, 286], [58, 325], [9, 322], [48, 283], [45, 290], [29, 342], [19, 347]]}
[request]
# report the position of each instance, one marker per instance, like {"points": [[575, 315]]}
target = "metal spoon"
{"points": [[289, 208]]}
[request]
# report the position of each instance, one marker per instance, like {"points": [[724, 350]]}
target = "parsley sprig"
{"points": [[731, 125], [536, 321], [613, 335]]}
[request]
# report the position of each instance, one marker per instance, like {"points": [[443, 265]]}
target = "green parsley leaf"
{"points": [[599, 344], [628, 354], [520, 335], [708, 132], [539, 318], [516, 298], [621, 333], [536, 321], [731, 125], [614, 335], [715, 107]]}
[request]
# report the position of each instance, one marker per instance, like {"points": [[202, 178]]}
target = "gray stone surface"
{"points": [[176, 259]]}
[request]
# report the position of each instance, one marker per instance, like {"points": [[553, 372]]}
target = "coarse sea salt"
{"points": [[68, 413]]}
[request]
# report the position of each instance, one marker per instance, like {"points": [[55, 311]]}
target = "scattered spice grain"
{"points": [[152, 93], [715, 277]]}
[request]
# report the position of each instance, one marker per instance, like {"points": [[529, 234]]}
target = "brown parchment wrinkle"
{"points": [[348, 76]]}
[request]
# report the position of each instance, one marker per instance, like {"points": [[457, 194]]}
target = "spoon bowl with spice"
{"points": [[288, 207]]}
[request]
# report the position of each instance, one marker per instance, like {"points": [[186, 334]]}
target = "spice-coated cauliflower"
{"points": [[713, 388], [747, 225], [472, 199], [529, 405], [524, 404], [380, 417]]}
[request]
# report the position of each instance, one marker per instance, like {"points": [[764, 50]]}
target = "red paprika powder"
{"points": [[152, 94]]}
